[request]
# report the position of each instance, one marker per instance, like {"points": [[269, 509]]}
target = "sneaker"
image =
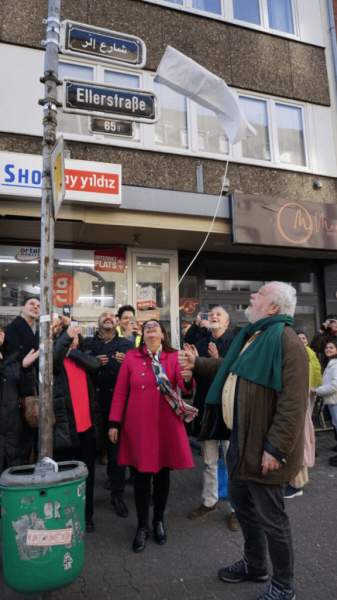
{"points": [[232, 522], [276, 592], [201, 511], [292, 492], [240, 571]]}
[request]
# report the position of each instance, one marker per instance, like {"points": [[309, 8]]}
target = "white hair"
{"points": [[284, 296]]}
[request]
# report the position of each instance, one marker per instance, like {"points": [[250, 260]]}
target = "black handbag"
{"points": [[213, 426]]}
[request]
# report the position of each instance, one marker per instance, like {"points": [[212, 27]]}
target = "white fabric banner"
{"points": [[187, 77]]}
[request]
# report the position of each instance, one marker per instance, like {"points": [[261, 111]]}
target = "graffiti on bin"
{"points": [[21, 527], [51, 510], [50, 537], [67, 561]]}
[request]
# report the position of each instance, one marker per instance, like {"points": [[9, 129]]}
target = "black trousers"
{"points": [[116, 472], [86, 453], [264, 523], [142, 488]]}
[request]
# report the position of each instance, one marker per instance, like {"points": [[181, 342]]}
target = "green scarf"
{"points": [[261, 363]]}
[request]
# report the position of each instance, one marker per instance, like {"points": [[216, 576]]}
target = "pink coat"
{"points": [[151, 436]]}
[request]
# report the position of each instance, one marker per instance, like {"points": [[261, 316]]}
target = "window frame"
{"points": [[146, 141]]}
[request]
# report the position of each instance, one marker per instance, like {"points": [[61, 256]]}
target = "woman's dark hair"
{"points": [[330, 341], [125, 308], [166, 343]]}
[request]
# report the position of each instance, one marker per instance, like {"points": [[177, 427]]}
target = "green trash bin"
{"points": [[42, 525]]}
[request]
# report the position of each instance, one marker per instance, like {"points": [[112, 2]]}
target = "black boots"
{"points": [[139, 542], [159, 532]]}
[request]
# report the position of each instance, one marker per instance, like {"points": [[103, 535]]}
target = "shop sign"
{"points": [[63, 290], [188, 305], [111, 126], [99, 99], [113, 260], [28, 254], [85, 181], [274, 222], [105, 45]]}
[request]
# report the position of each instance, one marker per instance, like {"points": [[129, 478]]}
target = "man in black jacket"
{"points": [[213, 342], [110, 349]]}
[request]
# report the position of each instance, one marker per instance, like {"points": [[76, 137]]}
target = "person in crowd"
{"points": [[127, 326], [328, 389], [110, 349], [15, 435], [198, 329], [147, 415], [296, 485], [73, 395], [22, 334], [261, 386], [215, 344], [327, 332]]}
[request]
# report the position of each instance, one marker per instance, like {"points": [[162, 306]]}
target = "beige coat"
{"points": [[265, 415]]}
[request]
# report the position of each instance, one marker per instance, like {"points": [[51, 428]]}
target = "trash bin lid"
{"points": [[35, 476]]}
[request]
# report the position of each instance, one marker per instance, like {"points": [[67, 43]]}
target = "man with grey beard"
{"points": [[261, 387], [110, 349]]}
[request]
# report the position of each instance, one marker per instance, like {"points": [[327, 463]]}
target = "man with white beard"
{"points": [[262, 388]]}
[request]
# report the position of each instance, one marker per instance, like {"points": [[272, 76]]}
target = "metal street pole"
{"points": [[50, 80]]}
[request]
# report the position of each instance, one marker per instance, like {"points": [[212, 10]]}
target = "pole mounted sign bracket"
{"points": [[102, 44]]}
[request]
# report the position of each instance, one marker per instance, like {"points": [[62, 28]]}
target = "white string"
{"points": [[210, 228]]}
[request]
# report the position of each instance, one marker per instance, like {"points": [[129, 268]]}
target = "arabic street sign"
{"points": [[101, 100], [106, 45], [111, 126]]}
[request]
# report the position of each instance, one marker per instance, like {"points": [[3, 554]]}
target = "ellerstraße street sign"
{"points": [[99, 99], [103, 44]]}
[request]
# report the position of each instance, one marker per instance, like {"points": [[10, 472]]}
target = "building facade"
{"points": [[280, 58]]}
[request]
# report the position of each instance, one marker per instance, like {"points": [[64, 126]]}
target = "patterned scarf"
{"points": [[183, 410]]}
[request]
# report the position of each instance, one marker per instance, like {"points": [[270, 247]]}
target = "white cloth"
{"points": [[210, 454], [187, 77]]}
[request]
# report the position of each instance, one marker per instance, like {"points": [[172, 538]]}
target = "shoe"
{"points": [[159, 532], [89, 526], [139, 542], [240, 571], [292, 492], [119, 506], [333, 461], [232, 522], [201, 511], [278, 592]]}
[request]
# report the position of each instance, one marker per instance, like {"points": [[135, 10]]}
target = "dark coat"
{"points": [[106, 376], [203, 384], [65, 434], [270, 419], [15, 435], [20, 338]]}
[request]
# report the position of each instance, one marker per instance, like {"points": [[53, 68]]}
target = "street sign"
{"points": [[108, 46], [57, 175], [111, 126], [84, 97]]}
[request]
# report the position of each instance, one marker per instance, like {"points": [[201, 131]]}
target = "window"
{"points": [[280, 15], [210, 136], [256, 146], [171, 128], [247, 10], [290, 134], [212, 6], [67, 123], [121, 79]]}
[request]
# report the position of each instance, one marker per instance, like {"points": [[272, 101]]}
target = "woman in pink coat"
{"points": [[148, 415]]}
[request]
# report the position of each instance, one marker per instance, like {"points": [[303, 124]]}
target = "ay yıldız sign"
{"points": [[106, 45], [100, 99]]}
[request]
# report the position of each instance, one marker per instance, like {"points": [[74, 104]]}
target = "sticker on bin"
{"points": [[49, 537]]}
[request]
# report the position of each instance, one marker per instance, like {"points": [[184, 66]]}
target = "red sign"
{"points": [[63, 290], [188, 305], [91, 181], [113, 260]]}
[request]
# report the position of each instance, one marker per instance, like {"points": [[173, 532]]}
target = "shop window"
{"points": [[290, 134], [210, 135], [68, 123], [171, 128], [247, 10], [258, 146], [280, 15]]}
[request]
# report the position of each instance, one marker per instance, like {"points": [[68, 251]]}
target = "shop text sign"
{"points": [[103, 44], [275, 222], [100, 99], [85, 181]]}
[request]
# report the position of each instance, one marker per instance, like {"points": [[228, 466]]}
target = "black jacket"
{"points": [[20, 338], [65, 435], [105, 378], [202, 385], [15, 435]]}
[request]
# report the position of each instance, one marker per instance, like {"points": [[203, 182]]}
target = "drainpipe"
{"points": [[332, 31]]}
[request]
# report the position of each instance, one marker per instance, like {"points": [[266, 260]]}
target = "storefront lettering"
{"points": [[23, 177], [297, 225]]}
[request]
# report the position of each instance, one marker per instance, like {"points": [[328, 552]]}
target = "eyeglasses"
{"points": [[150, 324]]}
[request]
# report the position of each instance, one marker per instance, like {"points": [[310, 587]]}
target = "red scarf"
{"points": [[78, 387]]}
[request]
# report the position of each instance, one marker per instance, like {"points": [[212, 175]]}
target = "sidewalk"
{"points": [[186, 568]]}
